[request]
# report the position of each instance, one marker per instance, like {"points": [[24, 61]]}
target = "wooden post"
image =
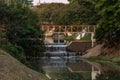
{"points": [[88, 28], [71, 28], [65, 28], [77, 28], [94, 27], [42, 28], [92, 39], [48, 28]]}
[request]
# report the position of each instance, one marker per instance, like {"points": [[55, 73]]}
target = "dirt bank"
{"points": [[101, 50], [11, 69], [95, 51]]}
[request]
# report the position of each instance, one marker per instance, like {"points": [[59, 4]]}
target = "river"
{"points": [[58, 65]]}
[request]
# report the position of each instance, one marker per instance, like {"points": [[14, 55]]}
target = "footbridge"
{"points": [[58, 32], [55, 34], [67, 29]]}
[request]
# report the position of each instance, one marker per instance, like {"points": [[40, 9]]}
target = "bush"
{"points": [[15, 51]]}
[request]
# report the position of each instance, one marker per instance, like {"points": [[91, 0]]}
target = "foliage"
{"points": [[111, 58], [68, 14], [75, 13], [109, 26], [9, 2], [109, 75], [15, 51], [21, 26], [71, 76], [46, 11], [87, 37], [69, 38], [86, 12]]}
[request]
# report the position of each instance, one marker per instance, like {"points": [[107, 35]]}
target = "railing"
{"points": [[55, 44]]}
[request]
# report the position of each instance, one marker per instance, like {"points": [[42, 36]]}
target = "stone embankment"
{"points": [[79, 46]]}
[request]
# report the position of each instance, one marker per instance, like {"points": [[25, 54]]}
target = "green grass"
{"points": [[86, 38], [112, 59], [71, 76], [73, 37], [70, 38]]}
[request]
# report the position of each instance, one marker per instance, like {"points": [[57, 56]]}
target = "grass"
{"points": [[70, 38], [112, 59], [86, 38], [73, 37], [71, 76]]}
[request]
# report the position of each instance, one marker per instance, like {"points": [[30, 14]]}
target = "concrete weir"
{"points": [[79, 46]]}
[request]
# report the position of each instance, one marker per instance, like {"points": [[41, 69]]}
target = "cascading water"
{"points": [[56, 47]]}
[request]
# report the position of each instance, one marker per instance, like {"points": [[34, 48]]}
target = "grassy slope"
{"points": [[11, 69]]}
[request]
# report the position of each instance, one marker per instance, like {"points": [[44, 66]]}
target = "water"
{"points": [[58, 65], [72, 68], [75, 68]]}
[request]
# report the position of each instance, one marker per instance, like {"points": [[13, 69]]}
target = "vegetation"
{"points": [[86, 38], [109, 72], [113, 59], [22, 35], [15, 51], [69, 38], [73, 13], [46, 11], [71, 76], [9, 2], [109, 75], [109, 26], [15, 70]]}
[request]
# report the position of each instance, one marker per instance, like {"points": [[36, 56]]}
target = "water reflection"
{"points": [[74, 68], [60, 68], [109, 72], [58, 64]]}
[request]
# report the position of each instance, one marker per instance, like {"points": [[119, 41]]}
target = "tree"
{"points": [[86, 12], [109, 25], [24, 2], [77, 12], [21, 30], [46, 11]]}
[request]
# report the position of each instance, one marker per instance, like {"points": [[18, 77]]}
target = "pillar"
{"points": [[42, 28], [71, 28], [48, 28], [88, 28]]}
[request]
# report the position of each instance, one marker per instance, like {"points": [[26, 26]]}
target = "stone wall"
{"points": [[79, 46]]}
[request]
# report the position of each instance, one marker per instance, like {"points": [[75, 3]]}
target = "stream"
{"points": [[58, 65]]}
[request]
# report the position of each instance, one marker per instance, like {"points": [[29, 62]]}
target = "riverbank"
{"points": [[111, 59], [101, 54], [11, 69]]}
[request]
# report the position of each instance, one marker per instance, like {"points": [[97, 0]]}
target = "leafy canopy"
{"points": [[21, 25], [109, 26]]}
